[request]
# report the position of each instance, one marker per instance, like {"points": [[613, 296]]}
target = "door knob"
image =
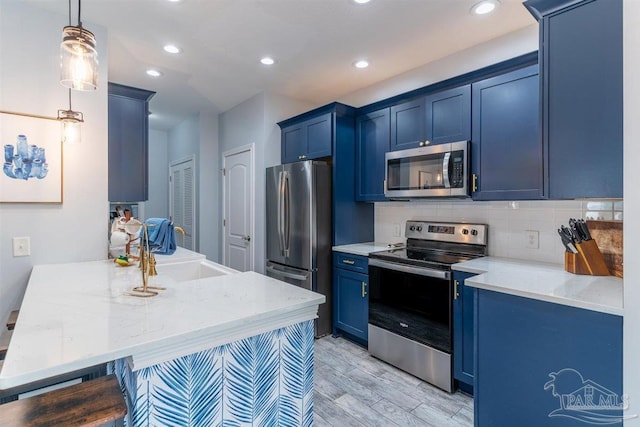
{"points": [[246, 238]]}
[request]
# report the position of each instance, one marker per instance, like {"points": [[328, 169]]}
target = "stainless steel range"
{"points": [[411, 297]]}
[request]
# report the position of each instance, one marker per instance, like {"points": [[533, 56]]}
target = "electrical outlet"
{"points": [[533, 239], [396, 230], [21, 246]]}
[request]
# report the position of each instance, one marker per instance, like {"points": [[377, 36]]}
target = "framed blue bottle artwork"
{"points": [[32, 161]]}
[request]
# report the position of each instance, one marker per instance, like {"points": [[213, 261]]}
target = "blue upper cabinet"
{"points": [[311, 139], [408, 125], [372, 142], [128, 143], [328, 132], [506, 150], [581, 58], [448, 115]]}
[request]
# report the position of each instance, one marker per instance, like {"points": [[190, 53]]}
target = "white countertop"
{"points": [[545, 282], [364, 249], [77, 315]]}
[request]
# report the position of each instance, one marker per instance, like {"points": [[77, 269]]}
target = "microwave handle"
{"points": [[445, 169]]}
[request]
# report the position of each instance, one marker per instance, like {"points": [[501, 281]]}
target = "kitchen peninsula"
{"points": [[212, 332]]}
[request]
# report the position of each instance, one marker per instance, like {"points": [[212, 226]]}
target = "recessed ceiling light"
{"points": [[361, 1], [172, 48], [361, 64], [267, 60], [153, 73], [174, 1], [484, 7]]}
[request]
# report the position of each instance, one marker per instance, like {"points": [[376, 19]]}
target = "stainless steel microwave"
{"points": [[433, 171]]}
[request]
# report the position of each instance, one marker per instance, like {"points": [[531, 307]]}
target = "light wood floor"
{"points": [[354, 389]]}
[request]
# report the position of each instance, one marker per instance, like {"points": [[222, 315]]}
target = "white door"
{"points": [[238, 208], [182, 200]]}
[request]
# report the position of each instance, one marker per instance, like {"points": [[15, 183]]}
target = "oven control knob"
{"points": [[474, 232], [419, 228], [412, 228], [465, 231]]}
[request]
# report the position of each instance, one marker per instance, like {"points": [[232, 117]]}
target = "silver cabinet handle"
{"points": [[364, 289], [302, 157], [348, 261], [246, 238]]}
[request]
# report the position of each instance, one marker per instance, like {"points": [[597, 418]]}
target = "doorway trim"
{"points": [[252, 208], [194, 229]]}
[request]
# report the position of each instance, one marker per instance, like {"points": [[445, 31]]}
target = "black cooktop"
{"points": [[423, 258]]}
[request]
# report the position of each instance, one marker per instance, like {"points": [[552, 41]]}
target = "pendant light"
{"points": [[71, 121], [78, 56]]}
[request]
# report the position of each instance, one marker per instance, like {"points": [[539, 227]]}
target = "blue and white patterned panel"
{"points": [[264, 380]]}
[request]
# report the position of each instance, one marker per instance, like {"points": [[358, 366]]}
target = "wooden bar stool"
{"points": [[88, 404], [13, 318]]}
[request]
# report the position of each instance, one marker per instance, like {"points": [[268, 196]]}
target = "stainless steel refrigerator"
{"points": [[298, 200]]}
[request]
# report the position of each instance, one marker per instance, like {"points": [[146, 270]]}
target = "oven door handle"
{"points": [[420, 271]]}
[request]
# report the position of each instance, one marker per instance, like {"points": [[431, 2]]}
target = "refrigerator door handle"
{"points": [[287, 214], [280, 211], [280, 273]]}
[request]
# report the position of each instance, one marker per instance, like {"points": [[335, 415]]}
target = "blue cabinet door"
{"points": [[535, 359], [308, 140], [463, 354], [448, 115], [506, 150], [319, 137], [128, 143], [582, 93], [293, 143], [407, 125], [351, 303], [372, 139]]}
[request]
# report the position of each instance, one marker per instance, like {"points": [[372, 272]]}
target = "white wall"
{"points": [[631, 25], [76, 230], [209, 195], [158, 204], [491, 52], [254, 121], [242, 125], [183, 142]]}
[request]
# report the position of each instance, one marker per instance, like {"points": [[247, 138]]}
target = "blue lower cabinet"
{"points": [[545, 364], [351, 303], [463, 354]]}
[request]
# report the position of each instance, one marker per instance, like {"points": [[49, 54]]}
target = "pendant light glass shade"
{"points": [[71, 125], [78, 59]]}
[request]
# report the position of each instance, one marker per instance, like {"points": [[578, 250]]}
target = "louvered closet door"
{"points": [[182, 200]]}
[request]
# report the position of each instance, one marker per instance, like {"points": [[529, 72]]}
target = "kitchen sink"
{"points": [[193, 270]]}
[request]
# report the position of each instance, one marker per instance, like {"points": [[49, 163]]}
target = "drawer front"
{"points": [[352, 262]]}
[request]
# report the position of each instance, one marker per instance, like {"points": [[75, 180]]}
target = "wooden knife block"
{"points": [[587, 261]]}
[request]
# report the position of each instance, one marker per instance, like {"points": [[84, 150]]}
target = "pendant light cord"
{"points": [[70, 109], [79, 10]]}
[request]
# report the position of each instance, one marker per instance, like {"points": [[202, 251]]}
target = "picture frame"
{"points": [[32, 159]]}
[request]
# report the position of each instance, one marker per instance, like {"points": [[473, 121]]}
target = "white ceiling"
{"points": [[314, 42]]}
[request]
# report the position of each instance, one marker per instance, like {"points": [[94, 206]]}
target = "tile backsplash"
{"points": [[509, 223]]}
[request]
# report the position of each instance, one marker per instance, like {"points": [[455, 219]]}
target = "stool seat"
{"points": [[89, 404], [13, 318]]}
